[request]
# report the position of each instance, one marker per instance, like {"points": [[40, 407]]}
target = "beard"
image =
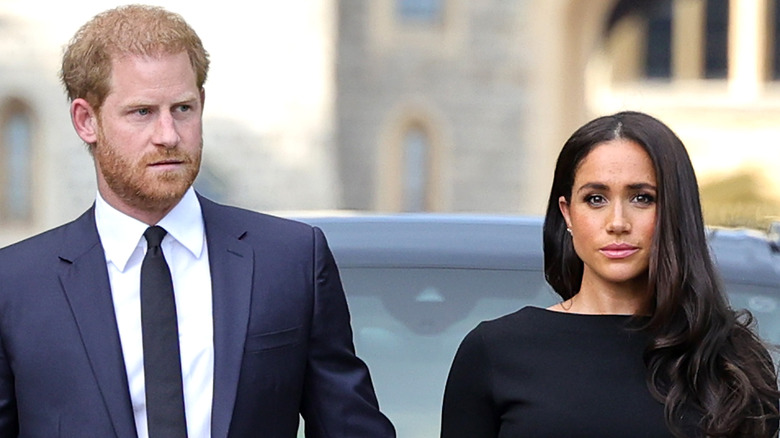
{"points": [[135, 184]]}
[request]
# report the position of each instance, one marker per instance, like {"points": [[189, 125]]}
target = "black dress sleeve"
{"points": [[468, 409]]}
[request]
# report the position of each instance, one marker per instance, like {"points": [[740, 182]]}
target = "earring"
{"points": [[569, 230]]}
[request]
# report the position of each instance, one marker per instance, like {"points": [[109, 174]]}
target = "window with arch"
{"points": [[415, 168], [775, 50], [674, 38], [420, 11], [658, 54], [15, 163], [716, 31]]}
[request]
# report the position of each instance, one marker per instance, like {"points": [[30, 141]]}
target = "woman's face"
{"points": [[612, 215]]}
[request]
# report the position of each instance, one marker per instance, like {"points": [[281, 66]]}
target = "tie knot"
{"points": [[154, 236]]}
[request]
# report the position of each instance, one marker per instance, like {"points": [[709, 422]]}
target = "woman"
{"points": [[643, 343]]}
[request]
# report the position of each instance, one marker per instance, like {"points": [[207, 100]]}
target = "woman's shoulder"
{"points": [[535, 318], [523, 316], [526, 322], [524, 337], [535, 323]]}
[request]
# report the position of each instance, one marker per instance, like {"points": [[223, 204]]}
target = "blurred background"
{"points": [[416, 105]]}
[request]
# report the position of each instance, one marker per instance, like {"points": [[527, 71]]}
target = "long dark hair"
{"points": [[703, 358]]}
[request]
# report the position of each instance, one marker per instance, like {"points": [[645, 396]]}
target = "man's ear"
{"points": [[84, 120]]}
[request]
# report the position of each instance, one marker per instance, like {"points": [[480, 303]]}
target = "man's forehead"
{"points": [[137, 72]]}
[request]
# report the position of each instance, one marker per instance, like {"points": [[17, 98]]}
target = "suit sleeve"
{"points": [[339, 399], [9, 425], [468, 408]]}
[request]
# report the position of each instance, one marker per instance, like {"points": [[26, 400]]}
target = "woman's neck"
{"points": [[598, 298]]}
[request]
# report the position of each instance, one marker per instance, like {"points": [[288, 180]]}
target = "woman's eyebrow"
{"points": [[593, 186], [604, 187]]}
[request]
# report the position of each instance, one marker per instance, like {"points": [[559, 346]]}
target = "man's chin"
{"points": [[159, 196], [155, 202], [151, 192], [165, 193], [169, 185]]}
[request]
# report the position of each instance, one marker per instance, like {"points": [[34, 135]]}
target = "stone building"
{"points": [[426, 105], [463, 105], [431, 103], [38, 184]]}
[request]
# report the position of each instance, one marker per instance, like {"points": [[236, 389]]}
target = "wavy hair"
{"points": [[122, 31], [703, 358]]}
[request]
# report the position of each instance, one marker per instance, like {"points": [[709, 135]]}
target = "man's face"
{"points": [[149, 133]]}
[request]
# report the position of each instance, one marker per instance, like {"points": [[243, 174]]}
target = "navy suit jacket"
{"points": [[282, 336]]}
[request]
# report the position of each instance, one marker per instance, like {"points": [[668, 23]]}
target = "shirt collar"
{"points": [[121, 234]]}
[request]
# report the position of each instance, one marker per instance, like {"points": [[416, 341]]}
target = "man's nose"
{"points": [[166, 133]]}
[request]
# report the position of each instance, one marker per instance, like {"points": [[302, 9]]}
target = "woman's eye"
{"points": [[645, 198], [595, 200]]}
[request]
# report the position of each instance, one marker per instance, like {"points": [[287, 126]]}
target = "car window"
{"points": [[408, 324], [764, 303]]}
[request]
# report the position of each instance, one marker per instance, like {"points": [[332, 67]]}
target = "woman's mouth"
{"points": [[618, 250]]}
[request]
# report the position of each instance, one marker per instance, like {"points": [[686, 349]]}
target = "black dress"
{"points": [[538, 373]]}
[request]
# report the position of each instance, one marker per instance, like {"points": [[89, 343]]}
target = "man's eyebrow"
{"points": [[179, 100], [188, 98]]}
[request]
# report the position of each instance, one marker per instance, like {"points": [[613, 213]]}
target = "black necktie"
{"points": [[162, 366]]}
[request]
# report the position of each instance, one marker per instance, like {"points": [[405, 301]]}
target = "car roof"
{"points": [[426, 240], [746, 256], [503, 242]]}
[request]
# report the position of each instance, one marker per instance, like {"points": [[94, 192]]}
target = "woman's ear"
{"points": [[84, 119], [563, 205]]}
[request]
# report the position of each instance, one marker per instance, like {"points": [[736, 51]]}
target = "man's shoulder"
{"points": [[42, 238], [46, 243], [250, 220]]}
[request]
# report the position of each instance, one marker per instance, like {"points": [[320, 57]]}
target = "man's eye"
{"points": [[142, 111], [184, 108]]}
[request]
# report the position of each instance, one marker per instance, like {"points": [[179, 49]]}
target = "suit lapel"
{"points": [[85, 281], [232, 266]]}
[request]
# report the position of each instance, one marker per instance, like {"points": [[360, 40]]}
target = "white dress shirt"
{"points": [[186, 252]]}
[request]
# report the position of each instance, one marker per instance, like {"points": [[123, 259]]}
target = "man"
{"points": [[260, 330]]}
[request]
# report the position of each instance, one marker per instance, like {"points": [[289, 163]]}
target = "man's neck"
{"points": [[151, 213]]}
